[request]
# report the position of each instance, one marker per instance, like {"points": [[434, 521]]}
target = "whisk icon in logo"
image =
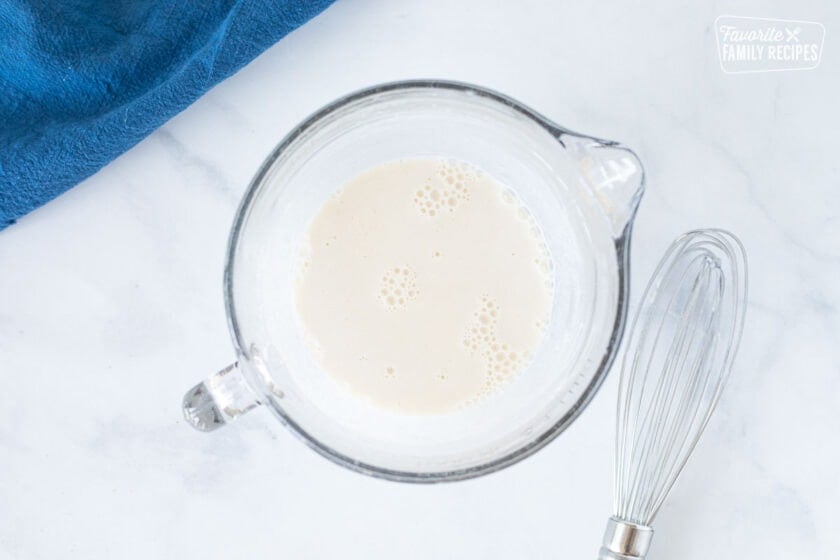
{"points": [[748, 44]]}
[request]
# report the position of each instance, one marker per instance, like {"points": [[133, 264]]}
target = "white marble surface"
{"points": [[110, 305]]}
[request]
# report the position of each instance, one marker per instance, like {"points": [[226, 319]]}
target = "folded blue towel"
{"points": [[82, 81]]}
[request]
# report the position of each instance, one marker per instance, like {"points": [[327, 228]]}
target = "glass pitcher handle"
{"points": [[220, 399]]}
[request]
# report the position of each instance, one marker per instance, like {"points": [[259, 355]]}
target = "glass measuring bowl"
{"points": [[582, 191]]}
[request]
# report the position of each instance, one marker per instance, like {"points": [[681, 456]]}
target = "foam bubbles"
{"points": [[481, 339], [545, 264], [446, 190], [543, 260], [398, 287]]}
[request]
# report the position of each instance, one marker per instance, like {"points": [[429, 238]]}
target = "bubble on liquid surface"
{"points": [[398, 287], [446, 189], [481, 339]]}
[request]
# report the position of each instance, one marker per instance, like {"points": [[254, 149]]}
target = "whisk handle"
{"points": [[625, 540]]}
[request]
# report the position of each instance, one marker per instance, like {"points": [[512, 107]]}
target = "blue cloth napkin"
{"points": [[82, 81]]}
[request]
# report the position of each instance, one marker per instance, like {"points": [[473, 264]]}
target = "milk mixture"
{"points": [[423, 285]]}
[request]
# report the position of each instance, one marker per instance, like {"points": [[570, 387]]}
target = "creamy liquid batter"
{"points": [[423, 285]]}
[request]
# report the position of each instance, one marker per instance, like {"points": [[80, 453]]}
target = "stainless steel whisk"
{"points": [[676, 362]]}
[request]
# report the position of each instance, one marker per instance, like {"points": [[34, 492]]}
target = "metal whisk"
{"points": [[676, 362]]}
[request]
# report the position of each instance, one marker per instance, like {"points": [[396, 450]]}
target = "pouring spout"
{"points": [[614, 174]]}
